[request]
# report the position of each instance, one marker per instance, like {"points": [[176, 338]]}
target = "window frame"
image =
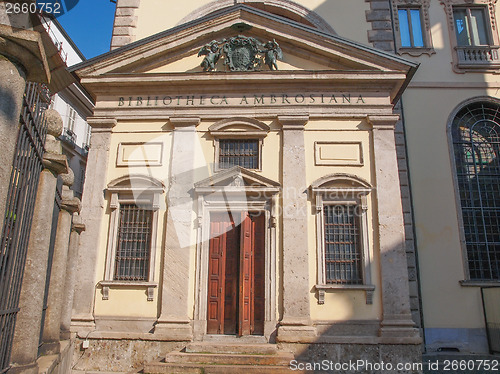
{"points": [[240, 139], [454, 170], [482, 58], [132, 189], [238, 129], [333, 190], [467, 9], [423, 7]]}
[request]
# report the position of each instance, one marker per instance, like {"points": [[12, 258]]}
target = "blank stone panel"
{"points": [[338, 153], [140, 154]]}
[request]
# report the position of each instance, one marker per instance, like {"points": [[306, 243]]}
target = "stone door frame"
{"points": [[218, 202]]}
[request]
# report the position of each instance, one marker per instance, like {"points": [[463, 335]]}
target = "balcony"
{"points": [[478, 57], [69, 136]]}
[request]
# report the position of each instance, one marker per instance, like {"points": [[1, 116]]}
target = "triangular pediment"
{"points": [[236, 178], [304, 48]]}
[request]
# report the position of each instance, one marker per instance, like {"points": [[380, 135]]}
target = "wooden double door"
{"points": [[236, 274]]}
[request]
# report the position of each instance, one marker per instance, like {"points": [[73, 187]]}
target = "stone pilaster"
{"points": [[93, 208], [174, 322], [125, 23], [397, 325], [29, 317], [56, 296], [12, 86], [69, 288], [295, 325]]}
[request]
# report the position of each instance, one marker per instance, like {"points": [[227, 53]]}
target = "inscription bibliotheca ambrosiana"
{"points": [[246, 100]]}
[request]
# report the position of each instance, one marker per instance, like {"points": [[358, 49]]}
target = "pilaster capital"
{"points": [[180, 123], [383, 122], [56, 163], [102, 124], [25, 47], [78, 225], [296, 122]]}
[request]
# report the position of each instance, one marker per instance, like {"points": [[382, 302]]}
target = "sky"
{"points": [[90, 25]]}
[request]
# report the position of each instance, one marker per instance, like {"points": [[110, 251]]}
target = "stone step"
{"points": [[233, 339], [278, 359], [254, 349], [171, 368]]}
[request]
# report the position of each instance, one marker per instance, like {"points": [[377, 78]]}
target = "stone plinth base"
{"points": [[174, 331], [25, 369], [296, 334]]}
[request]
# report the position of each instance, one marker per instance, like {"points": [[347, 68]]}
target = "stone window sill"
{"points": [[416, 52], [479, 283], [106, 285], [322, 288]]}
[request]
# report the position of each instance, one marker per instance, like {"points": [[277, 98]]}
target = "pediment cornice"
{"points": [[186, 40]]}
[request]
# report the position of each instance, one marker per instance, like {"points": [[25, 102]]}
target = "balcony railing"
{"points": [[478, 57]]}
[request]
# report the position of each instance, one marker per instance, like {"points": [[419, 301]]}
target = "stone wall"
{"points": [[382, 37]]}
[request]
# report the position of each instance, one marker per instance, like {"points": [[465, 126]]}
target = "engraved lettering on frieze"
{"points": [[241, 53]]}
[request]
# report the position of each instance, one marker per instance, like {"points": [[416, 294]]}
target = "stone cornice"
{"points": [[78, 225], [182, 122], [71, 205], [101, 123], [56, 163], [293, 122], [383, 122], [26, 48]]}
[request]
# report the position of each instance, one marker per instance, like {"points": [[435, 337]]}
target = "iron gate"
{"points": [[21, 196]]}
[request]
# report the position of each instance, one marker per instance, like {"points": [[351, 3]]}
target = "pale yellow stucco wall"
{"points": [[339, 305], [448, 305], [155, 16]]}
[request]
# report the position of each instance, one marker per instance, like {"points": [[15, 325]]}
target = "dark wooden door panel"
{"points": [[236, 284], [231, 281], [245, 274]]}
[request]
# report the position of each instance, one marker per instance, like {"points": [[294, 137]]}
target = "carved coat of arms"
{"points": [[241, 53]]}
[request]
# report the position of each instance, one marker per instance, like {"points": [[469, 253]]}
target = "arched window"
{"points": [[476, 143]]}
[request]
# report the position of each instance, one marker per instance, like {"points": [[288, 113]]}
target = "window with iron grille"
{"points": [[134, 243], [344, 254], [239, 152], [342, 245], [133, 233], [476, 141]]}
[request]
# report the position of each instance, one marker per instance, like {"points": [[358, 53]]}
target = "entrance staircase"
{"points": [[223, 358]]}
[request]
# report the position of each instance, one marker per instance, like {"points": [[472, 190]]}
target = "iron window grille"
{"points": [[239, 152], [342, 235], [342, 245], [133, 233], [134, 243], [476, 142]]}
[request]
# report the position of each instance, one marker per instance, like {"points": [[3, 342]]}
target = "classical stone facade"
{"points": [[264, 174], [323, 124]]}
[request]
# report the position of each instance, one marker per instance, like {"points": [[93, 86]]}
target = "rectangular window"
{"points": [[241, 152], [470, 26], [71, 119], [342, 244], [134, 243], [410, 28]]}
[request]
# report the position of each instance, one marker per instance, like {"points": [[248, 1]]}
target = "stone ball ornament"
{"points": [[68, 178], [54, 122]]}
